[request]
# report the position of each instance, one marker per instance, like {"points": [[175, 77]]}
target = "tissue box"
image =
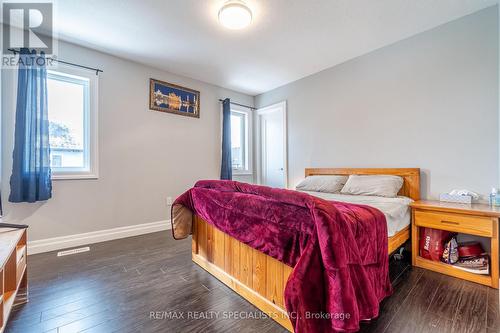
{"points": [[466, 199]]}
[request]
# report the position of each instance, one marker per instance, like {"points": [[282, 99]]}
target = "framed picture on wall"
{"points": [[171, 98]]}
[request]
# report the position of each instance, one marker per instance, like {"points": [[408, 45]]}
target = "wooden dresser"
{"points": [[13, 273], [473, 219]]}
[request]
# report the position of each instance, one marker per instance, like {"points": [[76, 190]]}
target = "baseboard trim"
{"points": [[64, 242]]}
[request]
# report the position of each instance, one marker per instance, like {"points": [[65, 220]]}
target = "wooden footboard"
{"points": [[255, 276]]}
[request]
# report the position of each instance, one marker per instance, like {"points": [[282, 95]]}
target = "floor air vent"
{"points": [[73, 251]]}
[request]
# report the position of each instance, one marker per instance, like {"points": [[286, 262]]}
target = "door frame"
{"points": [[258, 143]]}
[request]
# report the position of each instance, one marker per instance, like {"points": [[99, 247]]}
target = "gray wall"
{"points": [[144, 156], [430, 101]]}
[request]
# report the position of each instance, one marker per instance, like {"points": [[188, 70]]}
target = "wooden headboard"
{"points": [[411, 176]]}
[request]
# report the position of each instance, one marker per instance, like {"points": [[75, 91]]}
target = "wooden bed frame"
{"points": [[261, 279]]}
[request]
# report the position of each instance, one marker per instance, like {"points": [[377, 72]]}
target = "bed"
{"points": [[261, 279], [396, 210]]}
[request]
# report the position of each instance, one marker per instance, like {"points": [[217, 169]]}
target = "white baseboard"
{"points": [[64, 242]]}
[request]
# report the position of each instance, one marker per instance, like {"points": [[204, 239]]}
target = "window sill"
{"points": [[242, 173], [61, 176]]}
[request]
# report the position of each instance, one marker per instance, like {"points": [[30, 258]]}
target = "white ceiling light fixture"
{"points": [[235, 15]]}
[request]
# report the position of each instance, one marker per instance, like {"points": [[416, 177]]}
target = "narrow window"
{"points": [[72, 112], [241, 141]]}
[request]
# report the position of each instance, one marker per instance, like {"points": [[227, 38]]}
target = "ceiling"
{"points": [[287, 40]]}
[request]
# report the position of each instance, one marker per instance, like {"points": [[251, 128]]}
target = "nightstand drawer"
{"points": [[469, 224]]}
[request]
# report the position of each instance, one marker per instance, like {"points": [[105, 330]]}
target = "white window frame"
{"points": [[92, 122], [248, 170]]}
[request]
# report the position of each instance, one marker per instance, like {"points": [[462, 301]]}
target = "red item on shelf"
{"points": [[470, 249], [432, 243]]}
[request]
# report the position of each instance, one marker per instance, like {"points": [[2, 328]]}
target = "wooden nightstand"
{"points": [[13, 272], [473, 219]]}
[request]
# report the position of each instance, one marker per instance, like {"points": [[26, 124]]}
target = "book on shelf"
{"points": [[476, 265]]}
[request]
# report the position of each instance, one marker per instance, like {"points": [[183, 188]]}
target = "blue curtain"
{"points": [[31, 178], [226, 171]]}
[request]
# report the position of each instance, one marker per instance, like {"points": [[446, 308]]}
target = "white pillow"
{"points": [[329, 184], [377, 185]]}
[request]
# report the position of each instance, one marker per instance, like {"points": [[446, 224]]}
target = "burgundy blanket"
{"points": [[338, 250]]}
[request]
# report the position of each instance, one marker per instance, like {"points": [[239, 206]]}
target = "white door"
{"points": [[272, 146]]}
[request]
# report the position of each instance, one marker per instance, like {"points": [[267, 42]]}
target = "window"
{"points": [[55, 161], [241, 152], [72, 109]]}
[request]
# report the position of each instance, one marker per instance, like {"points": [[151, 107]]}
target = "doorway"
{"points": [[272, 146]]}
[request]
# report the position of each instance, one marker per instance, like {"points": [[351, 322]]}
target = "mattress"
{"points": [[396, 210]]}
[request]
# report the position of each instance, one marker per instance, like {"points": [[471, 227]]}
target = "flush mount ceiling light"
{"points": [[235, 15]]}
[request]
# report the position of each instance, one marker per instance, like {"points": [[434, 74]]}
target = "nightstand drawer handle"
{"points": [[449, 222]]}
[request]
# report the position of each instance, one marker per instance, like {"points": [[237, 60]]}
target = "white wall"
{"points": [[430, 101], [244, 178], [144, 156]]}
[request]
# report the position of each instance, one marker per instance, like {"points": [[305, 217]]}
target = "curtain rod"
{"points": [[97, 70], [245, 106]]}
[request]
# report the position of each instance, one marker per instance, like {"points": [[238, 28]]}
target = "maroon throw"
{"points": [[338, 250]]}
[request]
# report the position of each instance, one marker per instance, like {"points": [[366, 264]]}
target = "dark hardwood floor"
{"points": [[141, 284]]}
